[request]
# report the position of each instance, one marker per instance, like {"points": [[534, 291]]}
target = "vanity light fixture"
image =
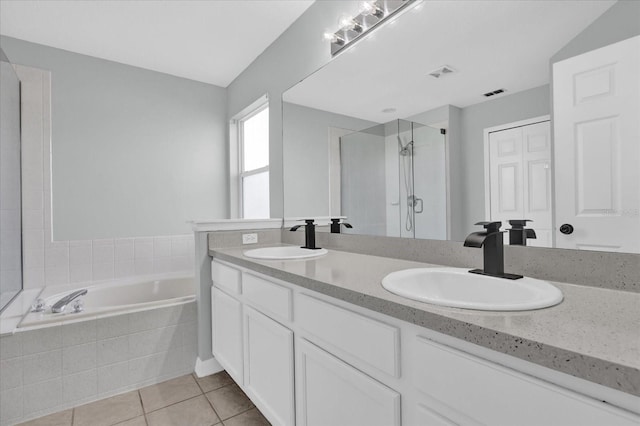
{"points": [[372, 14]]}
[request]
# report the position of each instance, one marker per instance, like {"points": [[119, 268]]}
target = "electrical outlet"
{"points": [[249, 238]]}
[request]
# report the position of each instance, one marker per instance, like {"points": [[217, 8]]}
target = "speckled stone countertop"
{"points": [[593, 334]]}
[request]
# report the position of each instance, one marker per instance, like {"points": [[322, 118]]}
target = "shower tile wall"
{"points": [[48, 262]]}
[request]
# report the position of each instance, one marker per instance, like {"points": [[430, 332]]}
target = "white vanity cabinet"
{"points": [[226, 330], [308, 359]]}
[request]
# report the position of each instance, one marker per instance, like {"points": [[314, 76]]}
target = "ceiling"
{"points": [[492, 44], [211, 41]]}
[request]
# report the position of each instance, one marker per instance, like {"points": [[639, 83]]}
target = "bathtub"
{"points": [[114, 298]]}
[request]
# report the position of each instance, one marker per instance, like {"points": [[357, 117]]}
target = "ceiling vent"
{"points": [[495, 92], [442, 71]]}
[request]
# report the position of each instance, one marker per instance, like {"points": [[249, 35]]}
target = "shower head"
{"points": [[406, 149]]}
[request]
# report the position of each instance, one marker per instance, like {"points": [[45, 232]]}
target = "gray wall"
{"points": [[620, 22], [306, 156], [473, 120], [298, 52], [135, 152]]}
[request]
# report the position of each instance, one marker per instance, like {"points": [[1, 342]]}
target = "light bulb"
{"points": [[334, 38], [370, 8]]}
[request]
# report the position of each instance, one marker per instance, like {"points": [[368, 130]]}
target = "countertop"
{"points": [[594, 334]]}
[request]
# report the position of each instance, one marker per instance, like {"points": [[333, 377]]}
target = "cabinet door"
{"points": [[227, 333], [268, 377], [332, 392]]}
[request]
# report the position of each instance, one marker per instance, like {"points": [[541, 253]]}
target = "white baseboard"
{"points": [[207, 367]]}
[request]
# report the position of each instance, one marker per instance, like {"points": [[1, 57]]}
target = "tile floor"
{"points": [[184, 401]]}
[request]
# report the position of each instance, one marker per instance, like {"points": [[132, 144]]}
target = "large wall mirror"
{"points": [[463, 111]]}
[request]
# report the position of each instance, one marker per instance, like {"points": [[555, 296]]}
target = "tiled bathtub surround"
{"points": [[55, 368], [85, 261]]}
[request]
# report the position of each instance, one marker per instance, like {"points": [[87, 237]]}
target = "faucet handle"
{"points": [[519, 223], [491, 226]]}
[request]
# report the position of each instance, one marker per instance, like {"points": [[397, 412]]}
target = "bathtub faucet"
{"points": [[61, 304]]}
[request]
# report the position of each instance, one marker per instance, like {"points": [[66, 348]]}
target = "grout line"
{"points": [[141, 403], [73, 415]]}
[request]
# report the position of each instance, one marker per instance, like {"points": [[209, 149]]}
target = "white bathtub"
{"points": [[113, 298]]}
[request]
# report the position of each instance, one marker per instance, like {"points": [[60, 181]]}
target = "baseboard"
{"points": [[207, 367]]}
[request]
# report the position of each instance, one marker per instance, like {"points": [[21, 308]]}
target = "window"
{"points": [[253, 150]]}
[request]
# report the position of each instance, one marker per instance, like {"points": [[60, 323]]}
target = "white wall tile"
{"points": [[124, 269], [11, 346], [143, 248], [182, 263], [42, 366], [114, 376], [79, 333], [33, 239], [11, 373], [111, 351], [11, 405], [56, 276], [162, 265], [124, 249], [115, 326], [80, 252], [78, 358], [34, 258], [32, 199], [32, 219], [180, 246], [80, 273], [43, 395], [103, 251], [43, 340], [80, 386], [56, 257], [162, 247], [103, 271], [33, 277], [143, 266]]}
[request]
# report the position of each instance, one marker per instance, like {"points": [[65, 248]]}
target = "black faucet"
{"points": [[518, 234], [492, 242], [335, 226], [309, 234]]}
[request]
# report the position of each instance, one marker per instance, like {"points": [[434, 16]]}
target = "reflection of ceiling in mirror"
{"points": [[491, 45]]}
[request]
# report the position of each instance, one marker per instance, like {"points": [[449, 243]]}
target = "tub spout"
{"points": [[61, 304]]}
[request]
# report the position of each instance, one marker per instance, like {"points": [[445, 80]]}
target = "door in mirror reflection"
{"points": [[393, 180], [596, 141]]}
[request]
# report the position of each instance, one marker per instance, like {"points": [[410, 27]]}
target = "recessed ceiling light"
{"points": [[442, 71], [388, 110]]}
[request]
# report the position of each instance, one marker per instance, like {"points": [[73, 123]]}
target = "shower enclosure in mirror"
{"points": [[392, 180], [10, 184]]}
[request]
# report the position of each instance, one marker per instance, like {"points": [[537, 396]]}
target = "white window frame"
{"points": [[236, 157]]}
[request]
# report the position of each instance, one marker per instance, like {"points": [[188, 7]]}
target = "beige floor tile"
{"points": [[169, 392], [193, 412], [138, 421], [252, 417], [214, 381], [229, 401], [63, 418], [108, 411]]}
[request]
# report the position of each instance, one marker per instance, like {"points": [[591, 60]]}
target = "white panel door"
{"points": [[331, 392], [226, 330], [520, 179], [596, 103], [268, 374]]}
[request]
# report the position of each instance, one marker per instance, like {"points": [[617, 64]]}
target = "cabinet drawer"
{"points": [[270, 298], [332, 392], [495, 395], [225, 277], [364, 342]]}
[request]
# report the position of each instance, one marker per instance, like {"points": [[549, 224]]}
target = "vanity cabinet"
{"points": [[354, 366], [268, 378], [332, 392], [227, 333]]}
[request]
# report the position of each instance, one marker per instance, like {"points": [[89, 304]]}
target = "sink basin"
{"points": [[284, 253], [457, 288]]}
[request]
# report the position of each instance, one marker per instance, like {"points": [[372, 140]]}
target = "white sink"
{"points": [[284, 253], [457, 288]]}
